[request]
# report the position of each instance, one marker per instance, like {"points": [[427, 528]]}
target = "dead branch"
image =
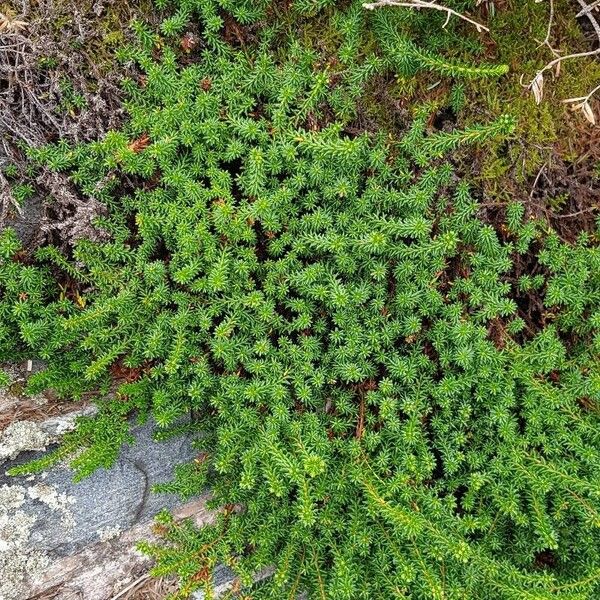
{"points": [[35, 63], [589, 8], [587, 12], [536, 85], [418, 4], [546, 40], [583, 103], [560, 59]]}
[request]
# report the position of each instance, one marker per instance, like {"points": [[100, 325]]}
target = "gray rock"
{"points": [[27, 222], [116, 498], [58, 518], [24, 436]]}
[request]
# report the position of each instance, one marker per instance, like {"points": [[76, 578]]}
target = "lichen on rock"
{"points": [[18, 559], [106, 534], [56, 500], [22, 436]]}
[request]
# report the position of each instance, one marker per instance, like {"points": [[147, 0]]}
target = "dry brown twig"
{"points": [[536, 85], [418, 4], [39, 73], [583, 103], [589, 8]]}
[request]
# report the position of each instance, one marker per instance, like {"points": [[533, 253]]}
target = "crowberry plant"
{"points": [[381, 410]]}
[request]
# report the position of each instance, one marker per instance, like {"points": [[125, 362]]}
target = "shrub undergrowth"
{"points": [[393, 397]]}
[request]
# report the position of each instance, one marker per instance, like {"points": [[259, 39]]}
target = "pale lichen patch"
{"points": [[11, 497], [58, 501], [17, 559], [22, 436], [109, 533]]}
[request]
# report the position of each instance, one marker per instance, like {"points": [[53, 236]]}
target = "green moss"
{"points": [[517, 31]]}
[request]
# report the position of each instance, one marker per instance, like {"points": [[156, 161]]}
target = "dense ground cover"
{"points": [[309, 251]]}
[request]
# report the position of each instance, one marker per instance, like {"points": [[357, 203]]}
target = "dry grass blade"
{"points": [[537, 87], [582, 103], [151, 588], [132, 586], [588, 113], [9, 25]]}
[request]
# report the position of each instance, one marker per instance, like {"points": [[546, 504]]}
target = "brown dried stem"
{"points": [[418, 4], [536, 85]]}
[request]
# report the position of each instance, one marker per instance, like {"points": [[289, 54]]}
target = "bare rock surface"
{"points": [[107, 568], [61, 540], [79, 538], [26, 222]]}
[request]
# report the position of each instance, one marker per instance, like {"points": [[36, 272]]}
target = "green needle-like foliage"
{"points": [[384, 410]]}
